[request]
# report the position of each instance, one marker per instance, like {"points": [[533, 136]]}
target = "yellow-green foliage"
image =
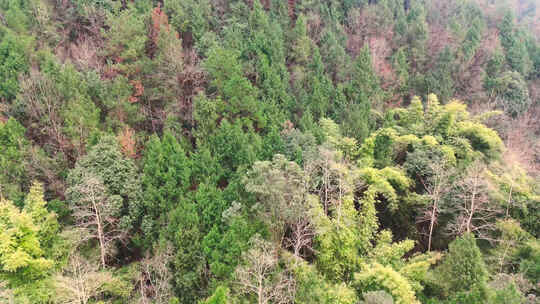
{"points": [[416, 269], [391, 254], [20, 249], [385, 182], [347, 145], [312, 287], [25, 238], [378, 277], [482, 138], [447, 128], [338, 241], [388, 253]]}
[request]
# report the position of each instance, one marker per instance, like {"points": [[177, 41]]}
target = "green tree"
{"points": [[301, 47], [118, 174], [238, 94], [166, 177], [439, 81], [463, 267], [511, 93], [13, 147], [13, 61], [188, 265], [220, 296], [516, 53], [27, 237], [363, 92]]}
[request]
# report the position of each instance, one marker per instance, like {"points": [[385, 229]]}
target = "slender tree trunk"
{"points": [[432, 223], [260, 292], [101, 237], [473, 199]]}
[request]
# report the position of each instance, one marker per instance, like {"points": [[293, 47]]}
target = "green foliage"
{"points": [[302, 46], [118, 175], [375, 277], [512, 93], [472, 39], [127, 38], [258, 137], [440, 81], [363, 92], [57, 103], [13, 61], [529, 257], [446, 129], [220, 296], [279, 187], [190, 17], [463, 267], [13, 147], [516, 53], [188, 264], [504, 290], [313, 288], [26, 242], [165, 180], [337, 241], [239, 96], [232, 147]]}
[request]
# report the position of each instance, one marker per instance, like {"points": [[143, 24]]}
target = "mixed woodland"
{"points": [[269, 151]]}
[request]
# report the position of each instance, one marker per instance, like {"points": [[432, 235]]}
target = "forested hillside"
{"points": [[269, 151]]}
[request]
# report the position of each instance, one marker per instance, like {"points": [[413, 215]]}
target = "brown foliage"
{"points": [[138, 90], [159, 22], [42, 100], [522, 143], [128, 143], [292, 9], [366, 26]]}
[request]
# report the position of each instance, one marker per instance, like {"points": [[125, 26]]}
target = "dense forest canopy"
{"points": [[270, 151]]}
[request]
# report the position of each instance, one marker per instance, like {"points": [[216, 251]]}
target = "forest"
{"points": [[269, 151]]}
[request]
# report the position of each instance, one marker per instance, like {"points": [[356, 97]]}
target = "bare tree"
{"points": [[475, 212], [43, 106], [155, 277], [437, 186], [301, 235], [96, 214], [260, 276], [80, 282], [329, 179]]}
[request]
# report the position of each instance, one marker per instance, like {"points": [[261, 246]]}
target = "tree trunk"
{"points": [[473, 199], [432, 223], [101, 237]]}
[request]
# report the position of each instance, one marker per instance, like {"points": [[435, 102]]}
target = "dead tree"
{"points": [[155, 277], [437, 187], [475, 212], [80, 282], [96, 213], [259, 275]]}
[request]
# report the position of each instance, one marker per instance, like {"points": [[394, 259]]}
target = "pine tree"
{"points": [[363, 92], [12, 62], [165, 180], [13, 147], [463, 267]]}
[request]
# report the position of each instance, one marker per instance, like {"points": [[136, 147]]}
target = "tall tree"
{"points": [[463, 267], [97, 214], [363, 92], [13, 147], [166, 178], [106, 178], [260, 276]]}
